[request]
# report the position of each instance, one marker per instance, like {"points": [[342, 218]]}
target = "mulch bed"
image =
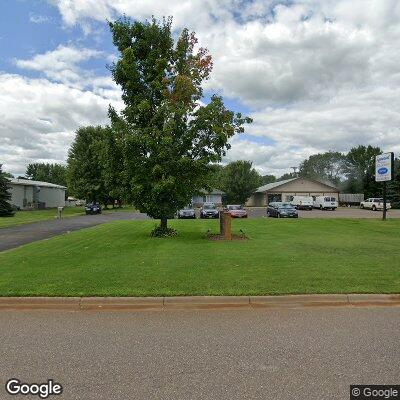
{"points": [[217, 237]]}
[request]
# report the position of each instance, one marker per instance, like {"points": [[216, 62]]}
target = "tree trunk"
{"points": [[164, 223]]}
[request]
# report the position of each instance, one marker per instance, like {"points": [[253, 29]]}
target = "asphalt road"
{"points": [[21, 234], [249, 354]]}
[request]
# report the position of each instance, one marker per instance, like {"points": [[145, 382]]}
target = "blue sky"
{"points": [[314, 75]]}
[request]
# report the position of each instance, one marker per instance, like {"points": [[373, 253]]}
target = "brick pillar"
{"points": [[225, 225]]}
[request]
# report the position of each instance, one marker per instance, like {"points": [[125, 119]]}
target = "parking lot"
{"points": [[341, 212]]}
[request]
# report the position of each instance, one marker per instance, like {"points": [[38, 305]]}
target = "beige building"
{"points": [[27, 194], [284, 190]]}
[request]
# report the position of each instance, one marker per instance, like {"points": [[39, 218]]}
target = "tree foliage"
{"points": [[324, 166], [85, 176], [268, 179], [394, 186], [240, 181], [5, 196], [287, 175], [168, 138], [52, 173], [359, 168]]}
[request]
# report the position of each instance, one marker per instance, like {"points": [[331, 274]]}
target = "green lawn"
{"points": [[281, 256], [25, 217]]}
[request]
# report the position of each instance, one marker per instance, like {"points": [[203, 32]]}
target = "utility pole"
{"points": [[295, 170]]}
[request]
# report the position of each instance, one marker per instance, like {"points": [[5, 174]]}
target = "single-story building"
{"points": [[284, 190], [215, 196], [27, 194]]}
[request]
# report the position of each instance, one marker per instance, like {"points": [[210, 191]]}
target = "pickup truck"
{"points": [[374, 204]]}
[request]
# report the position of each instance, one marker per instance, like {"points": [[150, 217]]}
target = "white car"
{"points": [[325, 203], [375, 203], [302, 202]]}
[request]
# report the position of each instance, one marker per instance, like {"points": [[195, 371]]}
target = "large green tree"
{"points": [[326, 166], [52, 173], [359, 168], [394, 186], [85, 165], [240, 181], [169, 138], [5, 196]]}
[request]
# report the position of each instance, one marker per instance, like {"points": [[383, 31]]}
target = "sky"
{"points": [[315, 75]]}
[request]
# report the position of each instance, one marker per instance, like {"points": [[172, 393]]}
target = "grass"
{"points": [[280, 257], [26, 217]]}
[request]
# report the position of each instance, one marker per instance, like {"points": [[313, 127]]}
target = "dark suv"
{"points": [[92, 208], [209, 210]]}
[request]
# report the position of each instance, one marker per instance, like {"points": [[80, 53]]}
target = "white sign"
{"points": [[384, 167]]}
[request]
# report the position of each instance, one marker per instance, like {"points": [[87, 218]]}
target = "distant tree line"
{"points": [[95, 171]]}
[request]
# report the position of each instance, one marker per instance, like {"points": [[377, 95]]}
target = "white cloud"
{"points": [[61, 64], [317, 74], [38, 119], [38, 19]]}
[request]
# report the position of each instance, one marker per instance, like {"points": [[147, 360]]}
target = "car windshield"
{"points": [[235, 207], [209, 206]]}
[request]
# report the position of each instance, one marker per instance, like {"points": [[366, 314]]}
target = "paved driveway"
{"points": [[252, 354], [341, 212], [18, 235]]}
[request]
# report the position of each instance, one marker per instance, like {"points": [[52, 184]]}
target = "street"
{"points": [[313, 353]]}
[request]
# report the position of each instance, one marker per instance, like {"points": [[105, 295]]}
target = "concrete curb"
{"points": [[198, 302]]}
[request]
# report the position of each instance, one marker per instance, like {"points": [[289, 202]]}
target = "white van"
{"points": [[325, 203], [302, 202]]}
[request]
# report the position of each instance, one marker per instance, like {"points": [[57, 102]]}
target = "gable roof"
{"points": [[274, 185], [28, 182]]}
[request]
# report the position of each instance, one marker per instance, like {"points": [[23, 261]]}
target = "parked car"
{"points": [[302, 202], [92, 208], [374, 204], [281, 210], [325, 203], [187, 212], [209, 210], [236, 211]]}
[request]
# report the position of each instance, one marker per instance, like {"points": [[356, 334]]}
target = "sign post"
{"points": [[384, 166]]}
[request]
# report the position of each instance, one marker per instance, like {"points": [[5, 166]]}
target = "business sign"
{"points": [[384, 167]]}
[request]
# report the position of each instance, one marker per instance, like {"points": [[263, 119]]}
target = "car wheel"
{"points": [[279, 215], [361, 206], [373, 208], [320, 207]]}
